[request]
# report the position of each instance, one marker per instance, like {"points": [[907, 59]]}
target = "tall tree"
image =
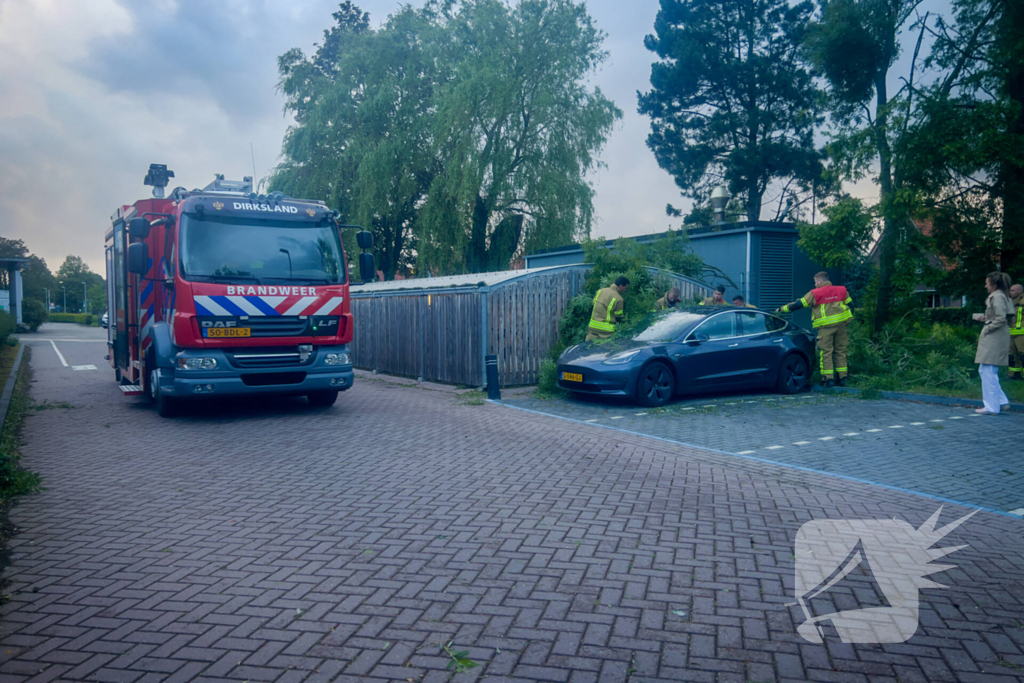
{"points": [[458, 133], [71, 276], [731, 100], [36, 277], [854, 45], [516, 132]]}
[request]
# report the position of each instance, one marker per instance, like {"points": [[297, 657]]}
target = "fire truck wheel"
{"points": [[165, 405], [323, 398]]}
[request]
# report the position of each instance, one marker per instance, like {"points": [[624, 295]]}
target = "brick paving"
{"points": [[276, 542], [942, 451]]}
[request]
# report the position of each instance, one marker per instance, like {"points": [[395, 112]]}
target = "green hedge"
{"points": [[6, 330], [80, 318]]}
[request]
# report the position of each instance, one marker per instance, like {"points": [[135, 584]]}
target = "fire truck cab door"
{"points": [[118, 321]]}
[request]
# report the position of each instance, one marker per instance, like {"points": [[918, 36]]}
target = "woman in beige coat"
{"points": [[993, 342]]}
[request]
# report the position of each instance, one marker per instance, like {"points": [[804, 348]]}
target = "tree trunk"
{"points": [[754, 198], [1012, 174], [890, 231], [476, 251]]}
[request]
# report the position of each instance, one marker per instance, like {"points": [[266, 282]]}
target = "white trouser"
{"points": [[991, 393]]}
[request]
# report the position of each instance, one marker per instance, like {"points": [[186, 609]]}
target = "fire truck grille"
{"points": [[267, 357], [277, 326]]}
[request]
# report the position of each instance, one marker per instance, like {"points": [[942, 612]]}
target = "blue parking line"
{"points": [[765, 461]]}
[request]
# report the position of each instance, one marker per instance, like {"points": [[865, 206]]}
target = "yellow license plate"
{"points": [[228, 331], [572, 377]]}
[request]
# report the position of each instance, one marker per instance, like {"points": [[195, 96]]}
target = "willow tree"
{"points": [[361, 140], [515, 131]]}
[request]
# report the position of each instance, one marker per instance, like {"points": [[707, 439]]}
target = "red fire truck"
{"points": [[220, 292]]}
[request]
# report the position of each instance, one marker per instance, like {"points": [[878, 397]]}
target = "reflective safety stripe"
{"points": [[804, 301], [833, 319], [842, 369], [598, 325]]}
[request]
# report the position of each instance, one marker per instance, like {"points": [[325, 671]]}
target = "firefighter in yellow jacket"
{"points": [[716, 299], [830, 313], [608, 309], [671, 298], [1017, 333]]}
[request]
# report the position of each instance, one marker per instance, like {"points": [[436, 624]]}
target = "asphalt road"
{"points": [[273, 541]]}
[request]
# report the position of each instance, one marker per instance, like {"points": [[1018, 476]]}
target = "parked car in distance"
{"points": [[693, 350], [103, 320]]}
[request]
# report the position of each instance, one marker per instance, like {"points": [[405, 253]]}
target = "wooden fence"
{"points": [[443, 334]]}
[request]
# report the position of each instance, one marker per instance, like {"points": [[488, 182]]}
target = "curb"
{"points": [[918, 398], [5, 398]]}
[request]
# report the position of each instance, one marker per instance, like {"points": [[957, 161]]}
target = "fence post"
{"points": [[493, 390], [485, 340]]}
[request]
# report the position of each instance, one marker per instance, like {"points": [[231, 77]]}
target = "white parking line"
{"points": [[772, 448], [616, 417], [83, 367], [590, 420], [639, 413], [744, 452], [937, 420], [872, 431], [825, 438], [895, 426], [851, 434], [916, 424], [800, 443], [957, 417], [59, 354]]}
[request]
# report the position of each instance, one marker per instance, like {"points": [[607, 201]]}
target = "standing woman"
{"points": [[993, 342]]}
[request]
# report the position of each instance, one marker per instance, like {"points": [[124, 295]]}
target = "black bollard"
{"points": [[493, 390]]}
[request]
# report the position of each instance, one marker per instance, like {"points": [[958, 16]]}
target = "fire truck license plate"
{"points": [[228, 331], [572, 377]]}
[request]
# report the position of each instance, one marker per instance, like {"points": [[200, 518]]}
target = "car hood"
{"points": [[598, 351]]}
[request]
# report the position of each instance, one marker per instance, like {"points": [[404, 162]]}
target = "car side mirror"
{"points": [[697, 339], [138, 228], [138, 258], [364, 238]]}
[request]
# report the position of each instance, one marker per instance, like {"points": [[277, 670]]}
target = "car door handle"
{"points": [[732, 345], [776, 341]]}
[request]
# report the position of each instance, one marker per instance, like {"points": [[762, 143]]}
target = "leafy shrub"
{"points": [[80, 318], [6, 328], [33, 313]]}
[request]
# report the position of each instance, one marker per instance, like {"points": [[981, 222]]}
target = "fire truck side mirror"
{"points": [[367, 269], [138, 258], [364, 239], [138, 228]]}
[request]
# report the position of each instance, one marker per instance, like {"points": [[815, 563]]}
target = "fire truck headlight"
{"points": [[197, 363], [337, 359]]}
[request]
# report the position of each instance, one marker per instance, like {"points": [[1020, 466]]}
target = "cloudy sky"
{"points": [[93, 91]]}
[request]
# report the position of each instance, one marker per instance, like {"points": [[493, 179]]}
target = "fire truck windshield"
{"points": [[264, 251]]}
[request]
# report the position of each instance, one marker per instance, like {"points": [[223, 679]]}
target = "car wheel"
{"points": [[793, 375], [323, 399], [655, 385]]}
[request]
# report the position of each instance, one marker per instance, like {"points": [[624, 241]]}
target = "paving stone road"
{"points": [[943, 451], [277, 542]]}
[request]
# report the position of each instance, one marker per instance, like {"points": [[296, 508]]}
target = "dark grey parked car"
{"points": [[692, 350]]}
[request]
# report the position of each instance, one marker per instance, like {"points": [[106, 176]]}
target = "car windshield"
{"points": [[668, 326], [260, 250]]}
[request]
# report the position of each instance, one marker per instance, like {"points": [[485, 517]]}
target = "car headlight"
{"points": [[622, 358], [337, 359], [197, 363]]}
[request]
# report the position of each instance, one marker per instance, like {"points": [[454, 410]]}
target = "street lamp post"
{"points": [[85, 298], [65, 290]]}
